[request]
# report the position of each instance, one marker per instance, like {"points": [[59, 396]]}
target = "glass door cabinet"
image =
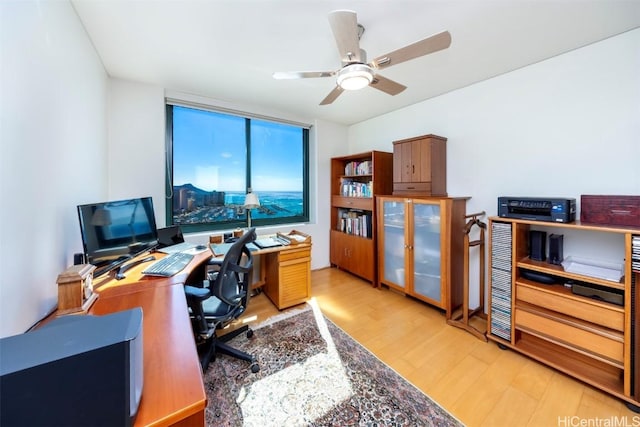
{"points": [[420, 248]]}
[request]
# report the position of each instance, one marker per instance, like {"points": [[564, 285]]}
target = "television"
{"points": [[74, 371], [116, 231]]}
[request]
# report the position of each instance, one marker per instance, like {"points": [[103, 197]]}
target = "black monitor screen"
{"points": [[113, 232]]}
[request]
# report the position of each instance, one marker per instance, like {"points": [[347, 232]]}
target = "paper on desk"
{"points": [[599, 270], [221, 248]]}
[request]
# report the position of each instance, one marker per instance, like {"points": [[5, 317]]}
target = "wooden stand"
{"points": [[461, 318]]}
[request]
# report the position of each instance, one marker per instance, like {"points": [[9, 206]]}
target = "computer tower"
{"points": [[76, 371]]}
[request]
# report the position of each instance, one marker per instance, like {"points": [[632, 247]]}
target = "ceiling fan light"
{"points": [[355, 76]]}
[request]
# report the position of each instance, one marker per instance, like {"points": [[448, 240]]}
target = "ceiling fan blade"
{"points": [[332, 95], [420, 48], [281, 75], [344, 24], [386, 85]]}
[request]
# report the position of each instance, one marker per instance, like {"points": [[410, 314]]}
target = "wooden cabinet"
{"points": [[355, 182], [421, 243], [591, 339], [288, 275], [420, 166]]}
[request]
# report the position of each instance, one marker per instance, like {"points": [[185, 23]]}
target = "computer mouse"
{"points": [[201, 247]]}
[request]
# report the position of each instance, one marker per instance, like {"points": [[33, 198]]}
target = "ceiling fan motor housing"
{"points": [[355, 76]]}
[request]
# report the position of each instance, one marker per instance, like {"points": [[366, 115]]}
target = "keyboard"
{"points": [[169, 266], [178, 247]]}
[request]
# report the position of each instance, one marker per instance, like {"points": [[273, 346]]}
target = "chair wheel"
{"points": [[249, 333], [255, 368]]}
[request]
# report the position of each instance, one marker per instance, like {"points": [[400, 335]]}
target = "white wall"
{"points": [[563, 127], [137, 150], [53, 151], [136, 159]]}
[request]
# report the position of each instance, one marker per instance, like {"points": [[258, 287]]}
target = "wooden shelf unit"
{"points": [[354, 249], [592, 340]]}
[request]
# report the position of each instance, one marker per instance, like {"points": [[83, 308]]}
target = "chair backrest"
{"points": [[233, 280]]}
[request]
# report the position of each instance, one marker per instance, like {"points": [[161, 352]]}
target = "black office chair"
{"points": [[221, 300]]}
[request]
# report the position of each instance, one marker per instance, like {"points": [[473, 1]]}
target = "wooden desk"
{"points": [[173, 390], [285, 272]]}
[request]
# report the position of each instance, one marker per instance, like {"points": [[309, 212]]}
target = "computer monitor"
{"points": [[116, 231]]}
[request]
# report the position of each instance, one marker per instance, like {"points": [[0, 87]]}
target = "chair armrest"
{"points": [[198, 294], [215, 261]]}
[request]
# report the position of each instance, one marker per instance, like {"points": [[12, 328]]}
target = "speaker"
{"points": [[555, 248], [78, 259], [74, 371], [538, 245]]}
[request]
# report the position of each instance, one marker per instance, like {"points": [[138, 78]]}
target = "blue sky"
{"points": [[209, 152]]}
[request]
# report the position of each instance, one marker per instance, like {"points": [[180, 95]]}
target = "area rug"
{"points": [[312, 374]]}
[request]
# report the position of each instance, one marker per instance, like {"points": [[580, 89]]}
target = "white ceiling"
{"points": [[228, 49]]}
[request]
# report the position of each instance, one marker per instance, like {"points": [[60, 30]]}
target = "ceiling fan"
{"points": [[355, 72]]}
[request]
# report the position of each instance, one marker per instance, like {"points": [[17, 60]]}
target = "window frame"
{"points": [[229, 225]]}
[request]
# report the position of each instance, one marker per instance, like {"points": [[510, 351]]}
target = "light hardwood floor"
{"points": [[475, 381]]}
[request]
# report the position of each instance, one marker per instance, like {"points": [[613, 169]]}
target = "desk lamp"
{"points": [[104, 217], [250, 202], [101, 217]]}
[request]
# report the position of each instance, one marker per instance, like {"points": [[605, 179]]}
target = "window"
{"points": [[214, 159]]}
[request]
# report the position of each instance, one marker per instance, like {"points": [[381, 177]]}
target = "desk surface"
{"points": [[173, 390]]}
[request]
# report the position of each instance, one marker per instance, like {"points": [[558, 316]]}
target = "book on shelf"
{"points": [[364, 167], [350, 188], [355, 222]]}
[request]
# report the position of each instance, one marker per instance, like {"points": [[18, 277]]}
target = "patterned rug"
{"points": [[312, 374]]}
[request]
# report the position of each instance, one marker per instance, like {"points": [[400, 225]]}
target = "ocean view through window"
{"points": [[215, 158]]}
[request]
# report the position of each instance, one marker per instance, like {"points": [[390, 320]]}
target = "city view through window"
{"points": [[217, 157]]}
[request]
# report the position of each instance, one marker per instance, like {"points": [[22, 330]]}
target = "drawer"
{"points": [[575, 335], [302, 254], [574, 306], [412, 187], [365, 203]]}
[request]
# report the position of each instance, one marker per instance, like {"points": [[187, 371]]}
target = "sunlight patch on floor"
{"points": [[300, 393], [333, 311]]}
